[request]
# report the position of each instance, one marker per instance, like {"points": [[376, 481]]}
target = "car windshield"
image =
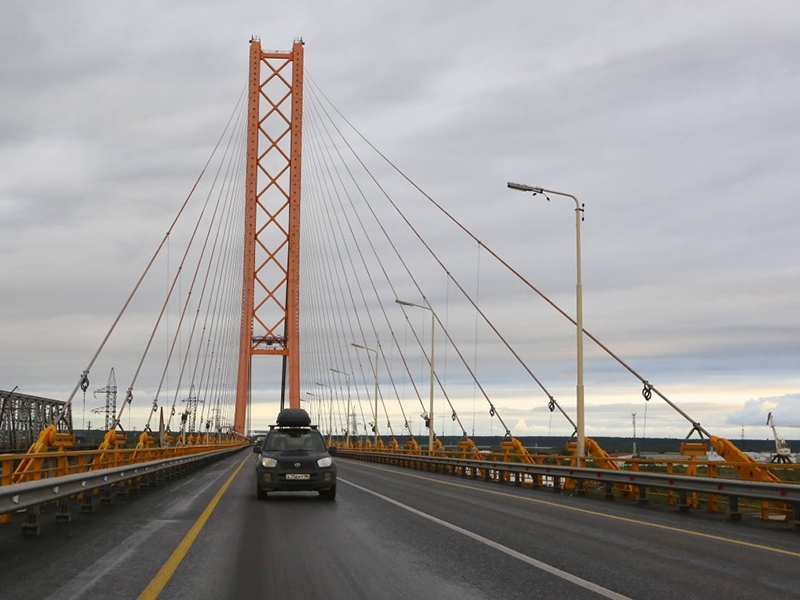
{"points": [[287, 440]]}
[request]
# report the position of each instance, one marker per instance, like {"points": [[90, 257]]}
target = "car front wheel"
{"points": [[328, 494]]}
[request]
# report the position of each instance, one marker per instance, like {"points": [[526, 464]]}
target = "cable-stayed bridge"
{"points": [[305, 269]]}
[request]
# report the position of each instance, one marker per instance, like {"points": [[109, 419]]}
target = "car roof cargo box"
{"points": [[293, 417]]}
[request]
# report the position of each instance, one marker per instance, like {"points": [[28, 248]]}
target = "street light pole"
{"points": [[330, 418], [375, 425], [578, 302], [430, 404], [347, 416], [310, 394]]}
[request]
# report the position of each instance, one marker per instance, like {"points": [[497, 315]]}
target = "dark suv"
{"points": [[294, 458]]}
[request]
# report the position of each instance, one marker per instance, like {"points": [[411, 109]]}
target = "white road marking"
{"points": [[598, 589]]}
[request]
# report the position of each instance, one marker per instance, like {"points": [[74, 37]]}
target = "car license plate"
{"points": [[298, 476]]}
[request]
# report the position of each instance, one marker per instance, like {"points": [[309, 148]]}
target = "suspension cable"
{"points": [[646, 384]]}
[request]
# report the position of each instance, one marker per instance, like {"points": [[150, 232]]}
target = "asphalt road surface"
{"points": [[391, 533]]}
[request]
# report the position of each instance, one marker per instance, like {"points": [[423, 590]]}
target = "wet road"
{"points": [[392, 533]]}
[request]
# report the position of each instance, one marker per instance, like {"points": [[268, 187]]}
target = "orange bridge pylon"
{"points": [[270, 295]]}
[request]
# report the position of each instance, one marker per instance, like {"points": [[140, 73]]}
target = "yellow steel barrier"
{"points": [[40, 462], [690, 464]]}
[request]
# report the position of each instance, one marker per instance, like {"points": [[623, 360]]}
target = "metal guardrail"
{"points": [[33, 494], [734, 489], [58, 458]]}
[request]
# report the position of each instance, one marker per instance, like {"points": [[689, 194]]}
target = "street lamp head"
{"points": [[404, 303], [524, 188], [365, 348], [340, 372]]}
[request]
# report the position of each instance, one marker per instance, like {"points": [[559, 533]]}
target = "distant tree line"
{"points": [[612, 445]]}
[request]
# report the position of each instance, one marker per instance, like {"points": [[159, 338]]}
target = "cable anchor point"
{"points": [[85, 381]]}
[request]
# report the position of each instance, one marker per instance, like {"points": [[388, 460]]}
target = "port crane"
{"points": [[783, 454]]}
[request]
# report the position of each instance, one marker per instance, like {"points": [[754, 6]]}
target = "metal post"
{"points": [[376, 396], [430, 410], [579, 328], [330, 418], [347, 415], [433, 326], [310, 411], [578, 306], [377, 353]]}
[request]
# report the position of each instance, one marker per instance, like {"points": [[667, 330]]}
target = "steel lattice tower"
{"points": [[270, 296]]}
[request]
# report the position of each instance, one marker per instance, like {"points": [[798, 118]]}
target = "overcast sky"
{"points": [[675, 123]]}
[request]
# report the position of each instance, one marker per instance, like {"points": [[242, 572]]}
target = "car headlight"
{"points": [[267, 462], [325, 462]]}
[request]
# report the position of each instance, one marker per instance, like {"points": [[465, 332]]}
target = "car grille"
{"points": [[305, 465]]}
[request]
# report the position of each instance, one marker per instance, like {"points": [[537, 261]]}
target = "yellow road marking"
{"points": [[594, 513], [163, 576]]}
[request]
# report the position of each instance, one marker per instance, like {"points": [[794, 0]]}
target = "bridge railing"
{"points": [[668, 463], [66, 462], [560, 473], [69, 476]]}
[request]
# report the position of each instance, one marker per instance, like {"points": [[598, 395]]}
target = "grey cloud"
{"points": [[676, 125], [785, 410]]}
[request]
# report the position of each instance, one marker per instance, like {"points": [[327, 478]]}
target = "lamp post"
{"points": [[430, 407], [347, 416], [375, 424], [578, 301], [311, 394], [330, 418]]}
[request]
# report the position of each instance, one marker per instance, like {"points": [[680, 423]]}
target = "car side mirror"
{"points": [[257, 448], [333, 450]]}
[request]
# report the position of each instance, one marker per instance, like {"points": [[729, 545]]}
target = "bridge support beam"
{"points": [[734, 514], [31, 526], [63, 514]]}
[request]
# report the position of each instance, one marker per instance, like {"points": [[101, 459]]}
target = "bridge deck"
{"points": [[394, 533]]}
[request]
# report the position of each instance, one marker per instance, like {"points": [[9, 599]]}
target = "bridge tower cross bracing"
{"points": [[270, 295]]}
